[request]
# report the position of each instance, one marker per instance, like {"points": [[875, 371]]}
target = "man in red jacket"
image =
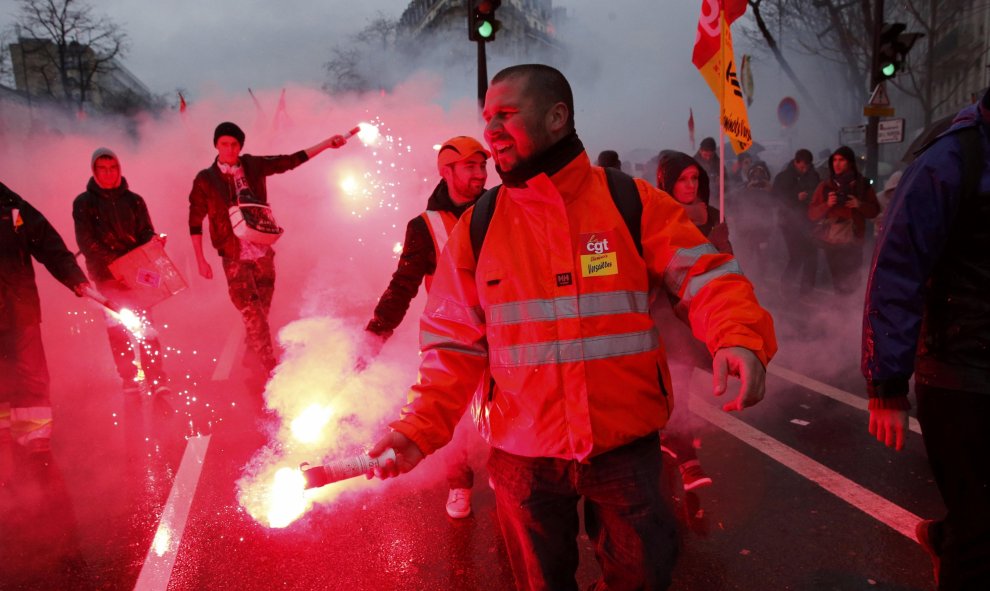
{"points": [[554, 312]]}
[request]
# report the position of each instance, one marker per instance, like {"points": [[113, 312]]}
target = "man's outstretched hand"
{"points": [[744, 364], [407, 455]]}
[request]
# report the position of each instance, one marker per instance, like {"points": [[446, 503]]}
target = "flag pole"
{"points": [[721, 111]]}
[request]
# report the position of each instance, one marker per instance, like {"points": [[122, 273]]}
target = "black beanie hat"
{"points": [[228, 128], [670, 167], [804, 155], [708, 144]]}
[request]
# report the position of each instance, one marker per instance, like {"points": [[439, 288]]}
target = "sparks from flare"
{"points": [[370, 184], [310, 426], [287, 499]]}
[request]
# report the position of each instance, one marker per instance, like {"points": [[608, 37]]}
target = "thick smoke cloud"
{"points": [[345, 212]]}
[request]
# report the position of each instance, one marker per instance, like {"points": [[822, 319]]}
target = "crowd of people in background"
{"points": [[787, 222]]}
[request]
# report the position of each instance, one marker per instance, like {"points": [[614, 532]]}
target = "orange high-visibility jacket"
{"points": [[557, 309], [440, 224]]}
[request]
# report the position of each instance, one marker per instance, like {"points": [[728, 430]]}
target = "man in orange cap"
{"points": [[462, 163]]}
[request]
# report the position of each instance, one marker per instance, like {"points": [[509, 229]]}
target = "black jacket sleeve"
{"points": [[144, 230], [417, 260], [48, 248], [87, 237]]}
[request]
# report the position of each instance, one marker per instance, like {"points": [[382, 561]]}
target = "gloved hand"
{"points": [[80, 289], [368, 348]]}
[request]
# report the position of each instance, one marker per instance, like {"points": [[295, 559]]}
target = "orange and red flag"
{"points": [[714, 59]]}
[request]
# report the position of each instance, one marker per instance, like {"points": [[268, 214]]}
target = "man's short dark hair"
{"points": [[546, 84], [803, 155]]}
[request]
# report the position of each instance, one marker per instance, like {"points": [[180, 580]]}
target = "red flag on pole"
{"points": [[182, 103]]}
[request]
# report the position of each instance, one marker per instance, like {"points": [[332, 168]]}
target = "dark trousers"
{"points": [[25, 383], [625, 516], [844, 263], [954, 427], [251, 285], [802, 255], [127, 349]]}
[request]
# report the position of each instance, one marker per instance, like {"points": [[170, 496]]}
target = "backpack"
{"points": [[621, 187]]}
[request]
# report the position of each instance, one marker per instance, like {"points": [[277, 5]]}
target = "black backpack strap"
{"points": [[972, 156], [482, 217], [625, 194]]}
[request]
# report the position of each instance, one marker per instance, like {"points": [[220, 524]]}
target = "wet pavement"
{"points": [[88, 518]]}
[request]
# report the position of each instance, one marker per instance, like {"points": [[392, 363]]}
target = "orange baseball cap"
{"points": [[458, 148]]}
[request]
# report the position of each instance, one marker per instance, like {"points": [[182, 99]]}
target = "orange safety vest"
{"points": [[439, 223], [557, 308]]}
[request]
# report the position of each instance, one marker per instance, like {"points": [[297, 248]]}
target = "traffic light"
{"points": [[482, 24], [894, 46]]}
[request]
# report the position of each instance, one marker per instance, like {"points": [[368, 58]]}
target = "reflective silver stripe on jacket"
{"points": [[445, 309], [696, 283], [429, 340], [585, 305], [680, 265], [437, 228], [552, 352]]}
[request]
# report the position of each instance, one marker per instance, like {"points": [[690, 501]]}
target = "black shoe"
{"points": [[923, 531]]}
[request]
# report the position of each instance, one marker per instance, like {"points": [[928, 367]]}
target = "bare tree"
{"points": [[367, 59], [841, 32], [778, 55], [838, 31], [63, 47]]}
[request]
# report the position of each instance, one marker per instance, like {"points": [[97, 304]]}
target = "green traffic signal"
{"points": [[888, 70], [485, 29]]}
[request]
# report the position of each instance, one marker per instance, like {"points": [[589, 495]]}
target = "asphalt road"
{"points": [[802, 498]]}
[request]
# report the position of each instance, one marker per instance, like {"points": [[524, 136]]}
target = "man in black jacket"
{"points": [[110, 222], [793, 188], [248, 266], [25, 401], [462, 163]]}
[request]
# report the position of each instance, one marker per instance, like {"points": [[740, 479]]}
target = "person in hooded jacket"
{"points": [[682, 177], [840, 207], [928, 314], [793, 188], [707, 157], [111, 221], [462, 163], [25, 397]]}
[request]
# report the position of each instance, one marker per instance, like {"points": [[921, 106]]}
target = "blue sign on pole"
{"points": [[787, 111]]}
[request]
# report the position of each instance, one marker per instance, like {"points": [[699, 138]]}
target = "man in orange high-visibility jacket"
{"points": [[556, 308], [463, 166]]}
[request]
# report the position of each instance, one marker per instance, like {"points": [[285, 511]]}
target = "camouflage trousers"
{"points": [[251, 284]]}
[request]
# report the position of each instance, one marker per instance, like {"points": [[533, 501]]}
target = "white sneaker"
{"points": [[459, 503]]}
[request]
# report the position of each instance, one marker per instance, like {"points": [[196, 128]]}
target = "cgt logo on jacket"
{"points": [[597, 258]]}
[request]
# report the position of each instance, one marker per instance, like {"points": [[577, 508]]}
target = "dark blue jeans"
{"points": [[953, 425], [625, 516]]}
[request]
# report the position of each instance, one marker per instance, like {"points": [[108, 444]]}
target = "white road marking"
{"points": [[832, 392], [897, 518], [233, 344], [157, 568]]}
